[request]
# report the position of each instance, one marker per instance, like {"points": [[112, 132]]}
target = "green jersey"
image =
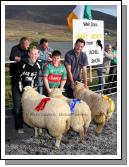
{"points": [[55, 74]]}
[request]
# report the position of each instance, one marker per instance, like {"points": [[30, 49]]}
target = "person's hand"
{"points": [[85, 85], [72, 85], [17, 58], [49, 59], [49, 91], [114, 55]]}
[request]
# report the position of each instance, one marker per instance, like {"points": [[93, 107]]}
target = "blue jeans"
{"points": [[17, 109], [101, 78], [40, 78], [40, 85]]}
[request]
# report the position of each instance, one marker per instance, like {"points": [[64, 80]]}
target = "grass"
{"points": [[14, 31], [8, 94]]}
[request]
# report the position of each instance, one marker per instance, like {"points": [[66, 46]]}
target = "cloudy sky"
{"points": [[109, 9]]}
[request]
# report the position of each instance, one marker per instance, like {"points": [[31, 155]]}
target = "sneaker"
{"points": [[20, 131]]}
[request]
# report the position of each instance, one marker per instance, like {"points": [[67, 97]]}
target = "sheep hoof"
{"points": [[82, 141], [35, 136], [98, 131], [57, 146], [40, 131]]}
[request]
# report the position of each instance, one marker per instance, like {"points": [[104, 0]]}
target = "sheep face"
{"points": [[77, 88], [55, 92], [29, 92]]}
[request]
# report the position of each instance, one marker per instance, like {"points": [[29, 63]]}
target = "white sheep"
{"points": [[102, 107], [81, 118], [55, 116]]}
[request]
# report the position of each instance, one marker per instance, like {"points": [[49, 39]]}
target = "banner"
{"points": [[92, 31]]}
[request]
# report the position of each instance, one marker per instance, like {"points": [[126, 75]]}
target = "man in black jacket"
{"points": [[18, 53]]}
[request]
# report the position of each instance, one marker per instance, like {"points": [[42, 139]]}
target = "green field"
{"points": [[14, 31]]}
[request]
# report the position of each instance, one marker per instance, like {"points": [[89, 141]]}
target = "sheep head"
{"points": [[26, 88], [77, 88], [30, 91], [55, 92]]}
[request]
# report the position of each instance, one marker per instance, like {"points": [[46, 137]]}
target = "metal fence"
{"points": [[91, 85]]}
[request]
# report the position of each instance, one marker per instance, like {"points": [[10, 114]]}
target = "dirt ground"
{"points": [[27, 144]]}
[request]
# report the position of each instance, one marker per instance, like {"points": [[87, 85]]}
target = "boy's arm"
{"points": [[45, 79], [46, 84], [64, 78]]}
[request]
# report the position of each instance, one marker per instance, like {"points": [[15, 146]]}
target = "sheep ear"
{"points": [[76, 82], [26, 88], [62, 89]]}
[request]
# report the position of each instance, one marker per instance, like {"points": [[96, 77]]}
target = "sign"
{"points": [[92, 31]]}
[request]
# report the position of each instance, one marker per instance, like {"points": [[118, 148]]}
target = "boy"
{"points": [[27, 76], [55, 73]]}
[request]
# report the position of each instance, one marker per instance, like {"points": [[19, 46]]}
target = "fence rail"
{"points": [[91, 77]]}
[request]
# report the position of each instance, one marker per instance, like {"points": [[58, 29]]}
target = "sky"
{"points": [[108, 9]]}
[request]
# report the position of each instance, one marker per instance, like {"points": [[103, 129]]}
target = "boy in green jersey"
{"points": [[55, 74]]}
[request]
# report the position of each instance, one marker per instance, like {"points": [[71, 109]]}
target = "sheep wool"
{"points": [[102, 107], [81, 117], [55, 119]]}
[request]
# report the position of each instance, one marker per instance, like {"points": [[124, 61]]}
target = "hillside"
{"points": [[53, 14], [49, 21]]}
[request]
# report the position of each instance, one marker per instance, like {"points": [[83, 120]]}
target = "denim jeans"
{"points": [[101, 78], [40, 85], [17, 109], [40, 78], [113, 78]]}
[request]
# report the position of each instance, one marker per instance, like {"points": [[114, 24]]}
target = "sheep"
{"points": [[102, 107], [81, 118], [55, 116]]}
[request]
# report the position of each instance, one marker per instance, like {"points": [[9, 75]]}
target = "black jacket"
{"points": [[27, 73], [16, 51]]}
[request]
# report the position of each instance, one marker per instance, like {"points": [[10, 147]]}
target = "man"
{"points": [[55, 73], [105, 67], [45, 53], [18, 53], [75, 60]]}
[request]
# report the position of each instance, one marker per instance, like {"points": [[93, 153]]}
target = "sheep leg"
{"points": [[40, 131], [81, 132], [100, 120], [67, 125], [58, 139], [86, 128], [35, 132]]}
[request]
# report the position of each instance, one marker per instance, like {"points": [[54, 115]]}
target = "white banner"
{"points": [[92, 31]]}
